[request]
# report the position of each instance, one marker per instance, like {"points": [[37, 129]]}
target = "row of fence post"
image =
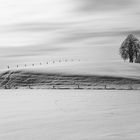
{"points": [[66, 60], [77, 86]]}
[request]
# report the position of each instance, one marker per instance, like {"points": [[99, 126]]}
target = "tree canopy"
{"points": [[130, 48]]}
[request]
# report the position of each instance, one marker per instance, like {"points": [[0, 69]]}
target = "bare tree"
{"points": [[130, 48]]}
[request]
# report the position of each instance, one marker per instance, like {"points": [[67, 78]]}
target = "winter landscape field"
{"points": [[72, 100], [70, 70], [69, 115], [60, 101]]}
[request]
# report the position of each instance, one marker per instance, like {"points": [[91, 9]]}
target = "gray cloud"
{"points": [[103, 5], [40, 26], [80, 36], [31, 50]]}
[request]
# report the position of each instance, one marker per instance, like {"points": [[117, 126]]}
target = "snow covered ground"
{"points": [[72, 74], [82, 67], [69, 115]]}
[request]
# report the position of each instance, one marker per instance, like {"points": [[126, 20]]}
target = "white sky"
{"points": [[91, 26]]}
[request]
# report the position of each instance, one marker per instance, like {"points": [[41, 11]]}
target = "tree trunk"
{"points": [[131, 53], [131, 57], [130, 60], [136, 55]]}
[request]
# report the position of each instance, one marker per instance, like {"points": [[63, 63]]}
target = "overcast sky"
{"points": [[35, 29]]}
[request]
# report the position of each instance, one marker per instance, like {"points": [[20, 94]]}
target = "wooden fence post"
{"points": [[30, 87], [78, 86]]}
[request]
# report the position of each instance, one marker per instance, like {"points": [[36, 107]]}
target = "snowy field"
{"points": [[69, 115], [72, 75]]}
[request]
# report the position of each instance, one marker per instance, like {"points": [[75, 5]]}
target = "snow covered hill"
{"points": [[82, 74]]}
